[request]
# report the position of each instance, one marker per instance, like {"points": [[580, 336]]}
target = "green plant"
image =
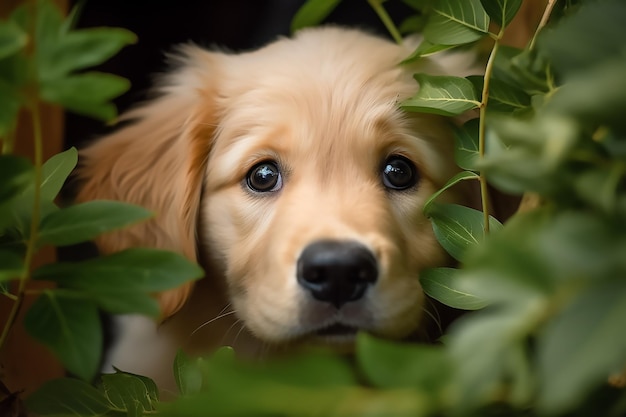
{"points": [[549, 284], [42, 58]]}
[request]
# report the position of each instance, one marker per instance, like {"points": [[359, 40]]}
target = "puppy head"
{"points": [[312, 182]]}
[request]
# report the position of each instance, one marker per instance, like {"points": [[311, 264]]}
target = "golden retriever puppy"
{"points": [[291, 174]]}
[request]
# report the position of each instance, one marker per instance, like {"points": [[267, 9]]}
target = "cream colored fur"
{"points": [[325, 106]]}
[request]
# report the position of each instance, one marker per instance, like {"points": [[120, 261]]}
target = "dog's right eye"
{"points": [[264, 177]]}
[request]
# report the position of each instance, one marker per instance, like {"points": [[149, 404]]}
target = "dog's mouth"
{"points": [[337, 332]]}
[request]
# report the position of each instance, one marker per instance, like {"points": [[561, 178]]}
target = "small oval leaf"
{"points": [[441, 284], [442, 94]]}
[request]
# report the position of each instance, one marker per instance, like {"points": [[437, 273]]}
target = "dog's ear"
{"points": [[158, 161]]}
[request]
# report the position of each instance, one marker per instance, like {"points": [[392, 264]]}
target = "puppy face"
{"points": [[314, 188], [294, 170]]}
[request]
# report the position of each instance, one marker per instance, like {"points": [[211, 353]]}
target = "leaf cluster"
{"points": [[42, 58]]}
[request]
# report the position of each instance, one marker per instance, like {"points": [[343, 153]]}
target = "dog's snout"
{"points": [[336, 271]]}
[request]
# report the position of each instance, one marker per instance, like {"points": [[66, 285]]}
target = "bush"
{"points": [[550, 284]]}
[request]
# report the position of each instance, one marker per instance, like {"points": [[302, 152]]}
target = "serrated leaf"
{"points": [[87, 94], [11, 265], [456, 22], [70, 327], [86, 221], [458, 228], [442, 94], [442, 284], [80, 49], [501, 11], [66, 397], [461, 176], [466, 145], [12, 38], [187, 374], [130, 393], [312, 13], [388, 364], [581, 346]]}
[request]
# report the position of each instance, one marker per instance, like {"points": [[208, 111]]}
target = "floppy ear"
{"points": [[158, 161]]}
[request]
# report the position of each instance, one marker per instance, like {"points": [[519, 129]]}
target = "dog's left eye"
{"points": [[264, 177], [399, 173]]}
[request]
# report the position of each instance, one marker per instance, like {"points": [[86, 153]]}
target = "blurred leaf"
{"points": [[442, 285], [12, 38], [80, 49], [456, 22], [70, 327], [582, 345], [11, 265], [187, 374], [442, 94], [69, 397], [87, 94], [466, 145], [461, 176], [313, 12], [131, 393], [424, 49], [458, 228], [86, 221], [388, 364], [501, 11], [10, 102], [16, 175], [593, 35], [412, 24]]}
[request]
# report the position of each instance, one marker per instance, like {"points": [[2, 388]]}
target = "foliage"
{"points": [[549, 285], [42, 58]]}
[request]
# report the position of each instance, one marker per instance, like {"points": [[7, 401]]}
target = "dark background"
{"points": [[236, 25]]}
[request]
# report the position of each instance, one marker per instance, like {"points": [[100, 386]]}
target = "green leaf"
{"points": [[442, 284], [501, 11], [581, 346], [70, 327], [12, 38], [10, 103], [16, 175], [55, 173], [67, 397], [466, 145], [456, 22], [442, 94], [388, 364], [503, 97], [458, 228], [424, 49], [131, 393], [461, 176], [87, 94], [86, 221], [11, 265], [122, 282], [187, 374], [80, 49], [312, 13]]}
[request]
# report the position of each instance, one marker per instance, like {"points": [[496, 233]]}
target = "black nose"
{"points": [[336, 271]]}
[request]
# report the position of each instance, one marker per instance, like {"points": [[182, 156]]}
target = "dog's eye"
{"points": [[399, 173], [264, 177]]}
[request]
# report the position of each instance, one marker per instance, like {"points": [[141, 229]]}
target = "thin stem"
{"points": [[544, 20], [484, 189], [31, 246], [377, 5]]}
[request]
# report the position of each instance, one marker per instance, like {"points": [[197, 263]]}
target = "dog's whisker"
{"points": [[436, 319], [206, 323], [225, 336]]}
